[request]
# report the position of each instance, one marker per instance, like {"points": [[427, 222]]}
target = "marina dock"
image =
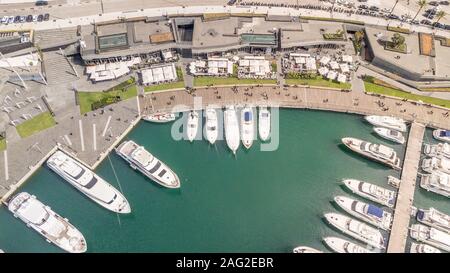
{"points": [[405, 196]]}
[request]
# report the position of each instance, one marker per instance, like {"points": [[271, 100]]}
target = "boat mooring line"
{"points": [[118, 182]]}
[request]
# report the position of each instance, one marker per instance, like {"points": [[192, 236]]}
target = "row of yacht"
{"points": [[436, 166], [238, 128], [390, 128]]}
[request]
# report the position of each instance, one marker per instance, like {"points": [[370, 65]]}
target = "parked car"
{"points": [[35, 18], [433, 3], [11, 20], [17, 19], [29, 18], [46, 17], [40, 18], [41, 3], [4, 20], [444, 3], [425, 22], [22, 19]]}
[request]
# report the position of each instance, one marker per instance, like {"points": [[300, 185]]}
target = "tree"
{"points": [[441, 14], [422, 4], [397, 40], [392, 10]]}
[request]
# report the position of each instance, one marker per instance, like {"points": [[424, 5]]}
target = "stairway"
{"points": [[57, 69]]}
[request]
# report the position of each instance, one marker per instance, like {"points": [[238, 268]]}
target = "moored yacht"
{"points": [[192, 125], [356, 229], [231, 128], [387, 122], [139, 158], [212, 125], [377, 152], [431, 236], [372, 192], [368, 213], [159, 117], [434, 218], [1, 251], [305, 249], [442, 135], [423, 248], [436, 182], [264, 123], [390, 134], [45, 221], [247, 127], [437, 150], [87, 182], [433, 164], [340, 245]]}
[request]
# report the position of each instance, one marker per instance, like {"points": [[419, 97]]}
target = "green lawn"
{"points": [[204, 81], [319, 81], [164, 86], [36, 124], [2, 144], [379, 89], [86, 99]]}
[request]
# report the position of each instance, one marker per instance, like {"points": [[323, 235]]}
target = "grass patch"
{"points": [[332, 20], [400, 49], [319, 81], [204, 81], [164, 86], [399, 30], [2, 144], [124, 90], [334, 36], [38, 123], [394, 92]]}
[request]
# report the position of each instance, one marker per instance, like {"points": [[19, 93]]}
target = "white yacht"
{"points": [[434, 218], [394, 181], [160, 117], [264, 123], [393, 123], [87, 182], [356, 229], [442, 135], [372, 192], [377, 152], [247, 127], [423, 248], [45, 221], [436, 182], [139, 158], [1, 251], [431, 236], [340, 245], [192, 125], [212, 125], [433, 164], [437, 150], [390, 134], [366, 212], [231, 128], [305, 249]]}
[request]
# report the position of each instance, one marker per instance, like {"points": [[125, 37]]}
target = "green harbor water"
{"points": [[254, 202]]}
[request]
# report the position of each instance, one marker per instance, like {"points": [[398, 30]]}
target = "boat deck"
{"points": [[127, 148], [405, 196]]}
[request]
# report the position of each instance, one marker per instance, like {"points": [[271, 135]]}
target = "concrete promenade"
{"points": [[405, 196]]}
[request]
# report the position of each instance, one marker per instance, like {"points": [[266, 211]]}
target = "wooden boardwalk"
{"points": [[405, 196]]}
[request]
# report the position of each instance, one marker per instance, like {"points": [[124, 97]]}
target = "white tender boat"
{"points": [[356, 229], [264, 123], [393, 123], [247, 127], [366, 212], [87, 182], [394, 181], [437, 150], [192, 125], [343, 246], [45, 221], [160, 117], [434, 218], [431, 236], [377, 152], [305, 249], [231, 129], [423, 248], [436, 182], [140, 159], [442, 135], [433, 164], [372, 192], [212, 125], [390, 134]]}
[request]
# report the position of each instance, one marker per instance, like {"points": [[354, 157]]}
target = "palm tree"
{"points": [[441, 14], [422, 4], [392, 10]]}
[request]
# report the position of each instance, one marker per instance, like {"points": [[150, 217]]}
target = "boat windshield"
{"points": [[444, 134]]}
